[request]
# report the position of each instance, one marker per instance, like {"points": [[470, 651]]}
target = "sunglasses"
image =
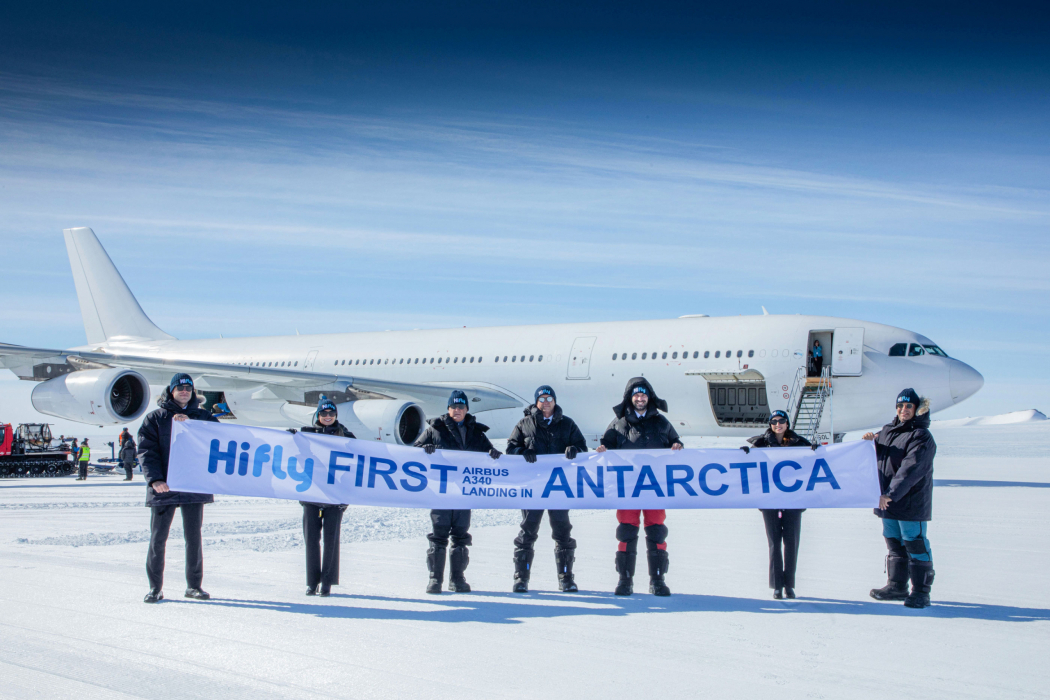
{"points": [[183, 387], [778, 421], [902, 405], [544, 399], [327, 414]]}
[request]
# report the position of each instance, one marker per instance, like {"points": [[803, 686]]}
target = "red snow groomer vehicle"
{"points": [[27, 451]]}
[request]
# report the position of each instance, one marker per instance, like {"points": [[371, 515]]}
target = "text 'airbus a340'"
{"points": [[720, 376]]}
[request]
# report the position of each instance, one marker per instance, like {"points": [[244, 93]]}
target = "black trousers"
{"points": [[159, 525], [818, 365], [82, 469], [321, 521], [445, 524], [783, 528], [530, 529]]}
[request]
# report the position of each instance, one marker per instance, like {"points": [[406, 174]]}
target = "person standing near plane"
{"points": [[783, 525], [905, 450], [545, 430], [83, 458], [638, 426], [818, 358], [323, 518], [177, 403], [127, 454], [457, 430]]}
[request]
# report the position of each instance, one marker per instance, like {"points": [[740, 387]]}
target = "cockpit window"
{"points": [[899, 350], [934, 350], [916, 350]]}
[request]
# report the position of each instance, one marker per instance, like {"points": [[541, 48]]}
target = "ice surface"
{"points": [[72, 623]]}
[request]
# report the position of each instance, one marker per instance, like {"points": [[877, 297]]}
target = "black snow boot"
{"points": [[458, 559], [522, 569], [154, 596], [311, 590], [436, 565], [657, 568], [921, 581], [564, 559], [326, 590], [625, 562], [197, 594], [897, 586]]}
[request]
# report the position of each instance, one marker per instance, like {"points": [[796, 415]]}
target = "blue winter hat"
{"points": [[544, 391], [180, 379], [326, 404], [458, 397], [909, 396], [779, 414]]}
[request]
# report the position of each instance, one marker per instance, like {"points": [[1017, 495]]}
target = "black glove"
{"points": [[571, 452], [746, 449], [293, 431], [495, 454], [429, 449], [529, 456], [815, 446]]}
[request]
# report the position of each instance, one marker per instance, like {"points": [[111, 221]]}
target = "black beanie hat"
{"points": [[458, 397], [779, 414], [544, 391], [325, 404], [909, 396], [180, 379]]}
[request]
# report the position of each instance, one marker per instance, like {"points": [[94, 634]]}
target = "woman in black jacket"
{"points": [[323, 518], [783, 525]]}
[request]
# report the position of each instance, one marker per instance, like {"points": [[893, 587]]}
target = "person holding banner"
{"points": [[458, 430], [783, 526], [905, 450], [323, 518], [545, 430], [177, 403], [639, 426]]}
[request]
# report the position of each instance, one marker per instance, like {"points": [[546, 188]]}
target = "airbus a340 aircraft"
{"points": [[721, 376]]}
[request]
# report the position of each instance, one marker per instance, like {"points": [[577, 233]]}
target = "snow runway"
{"points": [[72, 624]]}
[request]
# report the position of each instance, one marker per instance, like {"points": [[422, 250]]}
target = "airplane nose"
{"points": [[963, 380]]}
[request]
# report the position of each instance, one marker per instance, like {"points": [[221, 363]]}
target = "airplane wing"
{"points": [[283, 383]]}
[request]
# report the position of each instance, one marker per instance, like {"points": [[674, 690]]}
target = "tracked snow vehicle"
{"points": [[27, 451]]}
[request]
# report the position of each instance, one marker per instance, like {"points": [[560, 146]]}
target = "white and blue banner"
{"points": [[242, 461]]}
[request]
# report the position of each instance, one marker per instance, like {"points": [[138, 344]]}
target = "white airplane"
{"points": [[720, 376]]}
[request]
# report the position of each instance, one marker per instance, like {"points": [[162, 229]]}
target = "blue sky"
{"points": [[339, 168]]}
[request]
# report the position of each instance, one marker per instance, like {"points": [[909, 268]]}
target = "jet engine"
{"points": [[400, 422], [98, 396]]}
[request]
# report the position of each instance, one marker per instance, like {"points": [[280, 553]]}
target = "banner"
{"points": [[235, 460]]}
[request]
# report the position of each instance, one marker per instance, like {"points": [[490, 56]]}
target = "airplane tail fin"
{"points": [[109, 308]]}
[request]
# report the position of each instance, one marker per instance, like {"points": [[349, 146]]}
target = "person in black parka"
{"points": [[639, 426], [545, 430], [458, 430], [128, 449], [177, 403], [323, 518], [905, 450], [784, 525]]}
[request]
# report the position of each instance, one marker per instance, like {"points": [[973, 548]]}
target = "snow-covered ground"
{"points": [[72, 623]]}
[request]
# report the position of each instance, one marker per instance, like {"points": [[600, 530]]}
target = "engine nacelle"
{"points": [[96, 396], [400, 422]]}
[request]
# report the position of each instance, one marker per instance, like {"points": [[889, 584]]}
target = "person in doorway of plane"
{"points": [[783, 525], [177, 403], [323, 518], [638, 426], [457, 430], [905, 450], [818, 358], [545, 430]]}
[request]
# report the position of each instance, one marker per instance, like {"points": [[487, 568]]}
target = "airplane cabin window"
{"points": [[674, 356], [472, 360], [915, 350], [614, 355], [539, 358], [934, 350], [530, 357], [464, 359], [504, 358], [297, 363], [707, 354], [513, 358], [664, 356], [739, 353], [644, 354], [899, 350], [718, 353], [455, 359], [336, 362], [654, 355], [634, 356], [750, 353]]}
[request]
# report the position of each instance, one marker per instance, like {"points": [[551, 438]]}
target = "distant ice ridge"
{"points": [[1029, 416]]}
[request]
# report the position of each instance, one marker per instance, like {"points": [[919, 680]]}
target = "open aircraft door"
{"points": [[847, 352], [580, 359]]}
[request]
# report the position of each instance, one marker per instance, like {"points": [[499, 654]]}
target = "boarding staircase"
{"points": [[809, 396]]}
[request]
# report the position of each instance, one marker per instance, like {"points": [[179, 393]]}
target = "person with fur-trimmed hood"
{"points": [[783, 525], [905, 450], [639, 426], [457, 430], [323, 518], [178, 402], [545, 430]]}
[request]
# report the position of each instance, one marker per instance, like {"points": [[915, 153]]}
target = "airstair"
{"points": [[808, 399]]}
